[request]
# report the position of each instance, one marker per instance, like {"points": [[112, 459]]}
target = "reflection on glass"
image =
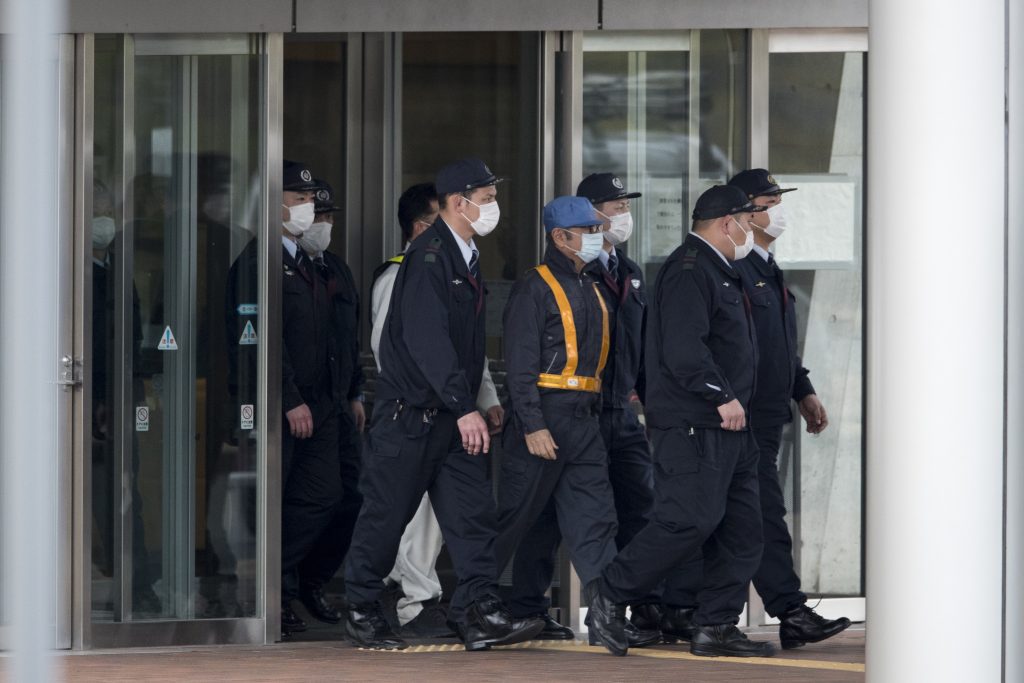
{"points": [[641, 121], [816, 144], [491, 113], [174, 465]]}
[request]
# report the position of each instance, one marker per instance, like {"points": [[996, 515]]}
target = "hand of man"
{"points": [[475, 438], [359, 414], [541, 444], [300, 421], [814, 414], [734, 418], [495, 418]]}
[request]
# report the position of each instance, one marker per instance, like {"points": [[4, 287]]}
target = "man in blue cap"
{"points": [[426, 434], [630, 469], [553, 450], [701, 359]]}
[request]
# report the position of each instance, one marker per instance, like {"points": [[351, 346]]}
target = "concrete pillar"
{"points": [[30, 257], [936, 338]]}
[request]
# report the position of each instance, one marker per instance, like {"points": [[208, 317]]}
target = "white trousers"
{"points": [[415, 566]]}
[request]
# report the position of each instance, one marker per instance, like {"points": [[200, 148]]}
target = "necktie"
{"points": [[474, 266], [613, 266]]}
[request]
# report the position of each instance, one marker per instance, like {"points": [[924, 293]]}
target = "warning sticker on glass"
{"points": [[248, 335], [142, 419], [247, 416], [167, 342], [248, 309]]}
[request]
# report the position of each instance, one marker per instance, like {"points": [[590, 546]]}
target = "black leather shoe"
{"points": [[802, 625], [677, 623], [646, 617], [639, 637], [552, 629], [488, 623], [366, 627], [606, 620], [725, 640], [290, 621], [316, 603], [431, 622]]}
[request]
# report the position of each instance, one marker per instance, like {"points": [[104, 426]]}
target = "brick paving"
{"points": [[839, 659]]}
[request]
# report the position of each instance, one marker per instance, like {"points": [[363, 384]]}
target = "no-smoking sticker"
{"points": [[247, 416], [142, 419]]}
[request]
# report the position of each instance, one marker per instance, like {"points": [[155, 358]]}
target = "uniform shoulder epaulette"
{"points": [[689, 259], [432, 250]]}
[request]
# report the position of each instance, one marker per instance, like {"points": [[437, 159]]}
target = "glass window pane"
{"points": [[493, 116], [666, 111], [816, 144], [175, 201]]}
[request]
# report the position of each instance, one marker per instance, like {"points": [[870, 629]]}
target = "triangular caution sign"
{"points": [[248, 335], [167, 342]]}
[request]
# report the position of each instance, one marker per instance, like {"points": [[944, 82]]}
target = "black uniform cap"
{"points": [[463, 175], [723, 200], [603, 187], [757, 182], [297, 177], [323, 200]]}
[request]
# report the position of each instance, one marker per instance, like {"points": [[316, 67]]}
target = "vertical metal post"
{"points": [[268, 546]]}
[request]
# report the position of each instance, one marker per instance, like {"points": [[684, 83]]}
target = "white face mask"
{"points": [[776, 221], [316, 239], [301, 218], [103, 231], [742, 250], [488, 221], [620, 229], [591, 245]]}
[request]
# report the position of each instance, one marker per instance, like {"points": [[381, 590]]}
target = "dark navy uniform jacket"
{"points": [[780, 373], [341, 291], [432, 346], [628, 299], [535, 338], [701, 346]]}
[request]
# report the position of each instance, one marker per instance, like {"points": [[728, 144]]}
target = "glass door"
{"points": [[814, 104], [175, 202]]}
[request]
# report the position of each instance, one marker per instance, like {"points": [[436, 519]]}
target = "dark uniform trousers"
{"points": [[568, 496], [632, 482], [311, 487], [328, 553], [776, 579], [705, 500], [411, 455]]}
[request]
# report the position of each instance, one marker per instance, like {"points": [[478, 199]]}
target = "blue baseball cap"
{"points": [[569, 212]]}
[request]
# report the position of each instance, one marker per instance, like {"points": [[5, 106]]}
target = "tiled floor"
{"points": [[839, 659]]}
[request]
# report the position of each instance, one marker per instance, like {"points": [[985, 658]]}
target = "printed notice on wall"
{"points": [[664, 228], [822, 222]]}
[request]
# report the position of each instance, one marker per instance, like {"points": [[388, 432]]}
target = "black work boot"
{"points": [[366, 627], [290, 621], [552, 629], [606, 620], [488, 623], [725, 640], [639, 637], [646, 617], [677, 623], [316, 603], [802, 625]]}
